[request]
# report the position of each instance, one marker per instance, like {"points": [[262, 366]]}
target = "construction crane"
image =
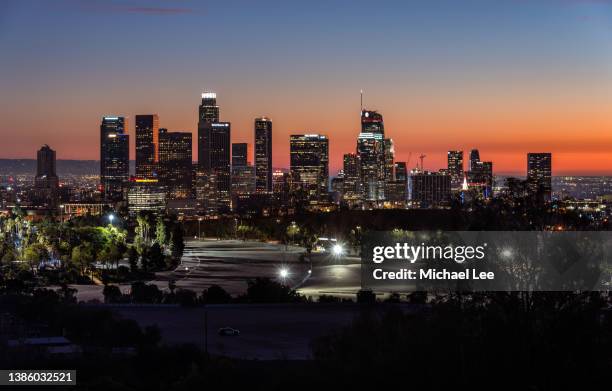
{"points": [[408, 160], [422, 157]]}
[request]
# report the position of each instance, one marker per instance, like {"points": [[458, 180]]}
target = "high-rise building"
{"points": [[372, 148], [146, 195], [114, 157], [401, 171], [351, 168], [430, 188], [208, 114], [214, 150], [372, 122], [389, 158], [46, 182], [309, 159], [539, 174], [147, 145], [239, 154], [455, 168], [263, 154], [175, 163], [474, 159]]}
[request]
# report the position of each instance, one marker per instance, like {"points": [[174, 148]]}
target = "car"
{"points": [[228, 332]]}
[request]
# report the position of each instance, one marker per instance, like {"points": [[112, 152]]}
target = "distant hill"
{"points": [[64, 167]]}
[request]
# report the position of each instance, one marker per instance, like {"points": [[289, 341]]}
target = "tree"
{"points": [[34, 254], [112, 294], [265, 290], [160, 232], [133, 259], [82, 256], [157, 256], [177, 241], [215, 295]]}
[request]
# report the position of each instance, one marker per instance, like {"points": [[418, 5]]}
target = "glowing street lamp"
{"points": [[111, 217], [283, 273], [337, 250]]}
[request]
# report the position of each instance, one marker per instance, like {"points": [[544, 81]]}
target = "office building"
{"points": [[351, 168], [146, 195], [243, 179], [175, 163], [114, 158], [539, 175], [147, 145], [239, 154], [455, 168], [214, 150], [430, 189], [263, 154], [474, 159], [46, 182], [309, 159]]}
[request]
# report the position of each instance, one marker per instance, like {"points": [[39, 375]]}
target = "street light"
{"points": [[111, 217], [337, 250], [283, 273], [199, 230]]}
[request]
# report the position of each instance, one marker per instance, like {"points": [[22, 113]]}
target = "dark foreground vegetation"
{"points": [[508, 341]]}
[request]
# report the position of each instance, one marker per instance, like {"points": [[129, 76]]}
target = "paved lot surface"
{"points": [[227, 263]]}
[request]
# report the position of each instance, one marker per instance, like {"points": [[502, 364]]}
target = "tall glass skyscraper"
{"points": [[263, 154], [114, 157], [373, 149], [147, 145]]}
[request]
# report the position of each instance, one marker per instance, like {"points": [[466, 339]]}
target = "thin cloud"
{"points": [[126, 8], [153, 10]]}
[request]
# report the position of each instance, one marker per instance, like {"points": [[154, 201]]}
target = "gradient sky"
{"points": [[507, 77]]}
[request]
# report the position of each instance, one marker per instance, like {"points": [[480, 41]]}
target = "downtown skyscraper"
{"points": [[455, 168], [175, 163], [147, 145], [46, 182], [114, 157], [309, 159], [539, 175], [371, 148], [214, 151], [263, 154]]}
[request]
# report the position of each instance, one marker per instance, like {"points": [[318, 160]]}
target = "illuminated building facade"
{"points": [[147, 145], [539, 174], [455, 168], [146, 195], [430, 189], [114, 157], [263, 154], [239, 154], [309, 159], [46, 182], [175, 163]]}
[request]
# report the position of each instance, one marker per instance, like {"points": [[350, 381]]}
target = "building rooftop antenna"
{"points": [[361, 100]]}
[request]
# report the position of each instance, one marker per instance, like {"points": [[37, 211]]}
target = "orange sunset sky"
{"points": [[506, 77]]}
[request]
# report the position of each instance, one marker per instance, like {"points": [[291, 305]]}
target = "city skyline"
{"points": [[520, 78]]}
